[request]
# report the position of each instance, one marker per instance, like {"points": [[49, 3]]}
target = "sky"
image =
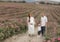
{"points": [[49, 0], [30, 0], [56, 0]]}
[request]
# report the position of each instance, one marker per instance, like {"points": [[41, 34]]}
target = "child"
{"points": [[39, 29]]}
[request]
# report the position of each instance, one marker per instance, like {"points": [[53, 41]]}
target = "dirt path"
{"points": [[25, 38]]}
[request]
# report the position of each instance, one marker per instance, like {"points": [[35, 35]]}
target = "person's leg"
{"points": [[43, 30], [32, 30], [38, 32], [29, 30]]}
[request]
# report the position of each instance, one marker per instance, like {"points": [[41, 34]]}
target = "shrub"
{"points": [[8, 32], [47, 38], [57, 40], [42, 2], [58, 34]]}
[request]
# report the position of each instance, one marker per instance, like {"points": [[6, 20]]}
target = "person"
{"points": [[43, 23], [39, 29], [30, 22]]}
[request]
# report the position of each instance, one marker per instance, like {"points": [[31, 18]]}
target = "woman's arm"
{"points": [[27, 20]]}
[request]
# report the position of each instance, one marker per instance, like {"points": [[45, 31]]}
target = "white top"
{"points": [[31, 20], [39, 28], [43, 20]]}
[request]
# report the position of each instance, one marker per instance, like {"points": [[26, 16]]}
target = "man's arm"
{"points": [[46, 21], [46, 24]]}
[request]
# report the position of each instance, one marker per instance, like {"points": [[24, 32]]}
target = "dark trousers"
{"points": [[39, 32], [42, 30]]}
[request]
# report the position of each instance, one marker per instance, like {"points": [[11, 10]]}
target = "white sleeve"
{"points": [[41, 19], [33, 20], [46, 19], [27, 19]]}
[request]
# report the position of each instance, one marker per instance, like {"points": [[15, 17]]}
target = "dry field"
{"points": [[16, 13]]}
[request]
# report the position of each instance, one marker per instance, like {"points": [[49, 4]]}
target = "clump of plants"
{"points": [[8, 32], [58, 37], [47, 38], [58, 34]]}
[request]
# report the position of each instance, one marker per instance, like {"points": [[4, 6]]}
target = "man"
{"points": [[43, 23]]}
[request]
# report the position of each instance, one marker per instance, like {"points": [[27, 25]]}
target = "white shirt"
{"points": [[39, 28], [43, 20], [31, 20]]}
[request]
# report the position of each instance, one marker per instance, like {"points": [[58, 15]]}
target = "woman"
{"points": [[30, 22]]}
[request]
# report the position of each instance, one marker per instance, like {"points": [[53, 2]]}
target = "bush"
{"points": [[57, 40], [47, 38], [42, 2], [58, 34], [8, 32]]}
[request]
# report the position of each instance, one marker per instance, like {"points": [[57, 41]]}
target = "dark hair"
{"points": [[29, 17]]}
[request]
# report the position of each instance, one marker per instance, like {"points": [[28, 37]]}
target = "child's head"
{"points": [[39, 24]]}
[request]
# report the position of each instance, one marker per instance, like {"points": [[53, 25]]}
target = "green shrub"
{"points": [[8, 32], [58, 34], [42, 2], [56, 40], [1, 36], [47, 38]]}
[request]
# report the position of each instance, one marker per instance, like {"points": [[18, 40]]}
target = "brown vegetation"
{"points": [[13, 14]]}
